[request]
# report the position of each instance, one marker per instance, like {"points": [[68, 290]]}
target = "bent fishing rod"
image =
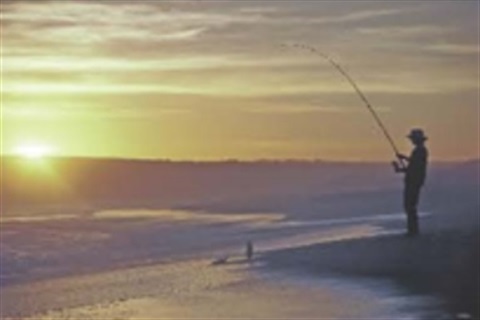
{"points": [[357, 90]]}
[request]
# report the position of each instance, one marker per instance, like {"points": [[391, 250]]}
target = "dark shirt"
{"points": [[417, 167]]}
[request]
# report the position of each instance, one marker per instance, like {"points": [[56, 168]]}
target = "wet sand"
{"points": [[115, 265], [193, 288], [198, 290], [443, 262]]}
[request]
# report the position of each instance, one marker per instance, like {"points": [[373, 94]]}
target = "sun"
{"points": [[34, 151]]}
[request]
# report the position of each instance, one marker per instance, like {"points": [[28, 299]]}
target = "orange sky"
{"points": [[209, 80]]}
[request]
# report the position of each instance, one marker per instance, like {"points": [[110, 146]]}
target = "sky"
{"points": [[214, 80]]}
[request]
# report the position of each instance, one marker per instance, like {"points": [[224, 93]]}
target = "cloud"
{"points": [[12, 64], [84, 22], [360, 15], [74, 109], [39, 112], [88, 24], [406, 31], [259, 9], [219, 65], [73, 34], [182, 35], [46, 88], [305, 109], [219, 87], [454, 49]]}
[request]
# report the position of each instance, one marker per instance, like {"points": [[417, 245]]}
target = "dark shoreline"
{"points": [[443, 263]]}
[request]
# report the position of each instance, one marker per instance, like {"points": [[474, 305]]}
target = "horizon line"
{"points": [[228, 160]]}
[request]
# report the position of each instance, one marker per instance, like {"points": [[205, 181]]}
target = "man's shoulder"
{"points": [[424, 150], [421, 151]]}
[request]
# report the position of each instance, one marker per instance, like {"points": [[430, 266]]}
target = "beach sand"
{"points": [[158, 265], [442, 262], [353, 271], [198, 290]]}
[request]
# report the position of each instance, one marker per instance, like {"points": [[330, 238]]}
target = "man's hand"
{"points": [[402, 156], [397, 167]]}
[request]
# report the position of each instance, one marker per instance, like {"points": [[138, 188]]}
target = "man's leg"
{"points": [[413, 222], [410, 202]]}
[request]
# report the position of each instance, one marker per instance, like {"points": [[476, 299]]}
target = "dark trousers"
{"points": [[411, 196]]}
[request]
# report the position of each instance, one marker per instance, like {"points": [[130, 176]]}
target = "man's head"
{"points": [[417, 136]]}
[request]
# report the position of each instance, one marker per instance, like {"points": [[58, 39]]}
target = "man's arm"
{"points": [[402, 164], [399, 168], [403, 157]]}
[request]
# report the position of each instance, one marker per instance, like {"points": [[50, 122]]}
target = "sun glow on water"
{"points": [[34, 151]]}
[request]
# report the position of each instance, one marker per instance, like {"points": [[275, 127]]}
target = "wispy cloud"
{"points": [[47, 88], [360, 15], [86, 22], [221, 87], [406, 31], [275, 16], [61, 63], [454, 49], [259, 9], [77, 111], [206, 70], [306, 109]]}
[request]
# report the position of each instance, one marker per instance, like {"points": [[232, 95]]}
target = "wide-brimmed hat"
{"points": [[417, 134]]}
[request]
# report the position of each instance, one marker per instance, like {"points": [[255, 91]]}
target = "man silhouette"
{"points": [[415, 169]]}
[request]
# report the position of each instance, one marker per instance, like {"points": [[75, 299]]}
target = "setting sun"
{"points": [[34, 151]]}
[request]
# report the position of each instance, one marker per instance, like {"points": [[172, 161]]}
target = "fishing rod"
{"points": [[357, 90]]}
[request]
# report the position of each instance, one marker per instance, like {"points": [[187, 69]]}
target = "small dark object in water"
{"points": [[249, 251], [218, 261]]}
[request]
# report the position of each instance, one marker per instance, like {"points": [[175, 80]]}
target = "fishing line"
{"points": [[355, 87]]}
